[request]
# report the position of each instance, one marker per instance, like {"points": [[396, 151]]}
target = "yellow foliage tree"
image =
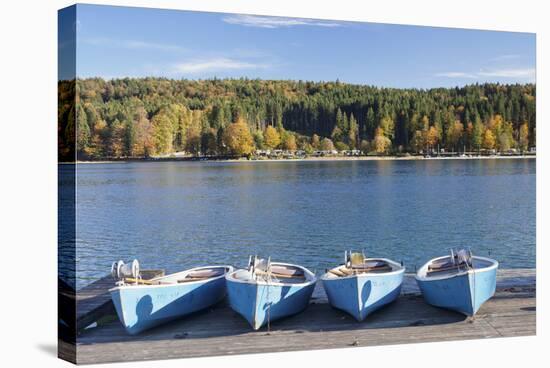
{"points": [[495, 123], [524, 136], [238, 139], [143, 144], [489, 140], [455, 133], [432, 136], [417, 141], [98, 140], [289, 142], [272, 138], [162, 133], [380, 142]]}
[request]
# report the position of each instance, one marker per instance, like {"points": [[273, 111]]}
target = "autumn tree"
{"points": [[238, 139], [98, 117], [505, 137], [272, 138], [289, 142], [478, 134], [98, 145], [162, 133], [381, 143], [524, 136], [116, 139], [326, 145], [143, 144], [431, 137], [488, 139], [388, 127], [454, 134], [418, 141], [469, 134]]}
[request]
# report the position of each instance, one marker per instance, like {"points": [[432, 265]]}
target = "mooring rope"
{"points": [[474, 283], [268, 301]]}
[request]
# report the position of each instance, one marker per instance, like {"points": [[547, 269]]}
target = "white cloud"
{"points": [[132, 44], [276, 22], [525, 74], [153, 46], [528, 73], [215, 65], [455, 75]]}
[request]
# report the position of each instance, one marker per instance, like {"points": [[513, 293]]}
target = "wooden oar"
{"points": [[130, 280], [443, 269], [337, 273]]}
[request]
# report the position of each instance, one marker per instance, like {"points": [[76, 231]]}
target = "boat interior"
{"points": [[456, 262], [357, 263], [195, 274], [264, 270]]}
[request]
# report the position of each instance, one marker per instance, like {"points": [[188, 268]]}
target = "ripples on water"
{"points": [[176, 215]]}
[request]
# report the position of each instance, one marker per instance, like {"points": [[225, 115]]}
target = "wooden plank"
{"points": [[66, 351], [94, 301], [221, 331], [406, 321]]}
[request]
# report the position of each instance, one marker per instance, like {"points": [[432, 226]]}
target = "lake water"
{"points": [[176, 215]]}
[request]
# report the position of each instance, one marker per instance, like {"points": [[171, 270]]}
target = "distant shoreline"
{"points": [[359, 158]]}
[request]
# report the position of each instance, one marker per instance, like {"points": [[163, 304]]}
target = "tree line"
{"points": [[144, 117]]}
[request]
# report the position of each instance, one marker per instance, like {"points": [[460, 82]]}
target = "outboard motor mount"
{"points": [[121, 270]]}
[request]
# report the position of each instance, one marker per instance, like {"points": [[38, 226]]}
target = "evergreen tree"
{"points": [[353, 133], [151, 116]]}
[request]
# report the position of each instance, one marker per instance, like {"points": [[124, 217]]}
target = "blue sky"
{"points": [[115, 42]]}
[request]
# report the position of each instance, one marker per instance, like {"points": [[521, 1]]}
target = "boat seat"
{"points": [[450, 267], [207, 273], [369, 265], [384, 267], [444, 265], [441, 265], [286, 271]]}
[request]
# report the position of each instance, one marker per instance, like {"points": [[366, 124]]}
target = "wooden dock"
{"points": [[220, 331], [94, 301]]}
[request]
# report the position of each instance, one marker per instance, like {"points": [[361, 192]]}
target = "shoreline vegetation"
{"points": [[153, 118], [308, 158]]}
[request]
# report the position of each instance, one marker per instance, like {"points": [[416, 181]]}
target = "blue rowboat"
{"points": [[265, 294], [462, 285], [364, 287], [141, 304]]}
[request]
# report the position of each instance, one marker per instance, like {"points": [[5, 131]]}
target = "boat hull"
{"points": [[259, 303], [144, 307], [362, 294], [464, 293]]}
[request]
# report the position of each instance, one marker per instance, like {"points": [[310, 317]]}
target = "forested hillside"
{"points": [[153, 116]]}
